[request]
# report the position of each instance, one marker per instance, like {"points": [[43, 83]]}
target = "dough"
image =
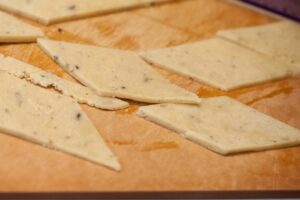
{"points": [[39, 77], [223, 125], [115, 73], [280, 40], [13, 30], [219, 63], [49, 11], [50, 119]]}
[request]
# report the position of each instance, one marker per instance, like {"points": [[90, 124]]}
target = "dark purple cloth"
{"points": [[286, 8]]}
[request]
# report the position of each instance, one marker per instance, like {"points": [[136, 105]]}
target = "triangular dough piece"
{"points": [[13, 30], [39, 77], [219, 63], [47, 11], [223, 125], [279, 40], [115, 73], [50, 119]]}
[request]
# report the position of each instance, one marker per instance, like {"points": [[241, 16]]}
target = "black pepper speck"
{"points": [[78, 116], [72, 7]]}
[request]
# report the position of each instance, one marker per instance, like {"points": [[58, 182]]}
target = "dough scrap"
{"points": [[42, 78]]}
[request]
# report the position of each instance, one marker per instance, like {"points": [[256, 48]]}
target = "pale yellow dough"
{"points": [[12, 30], [50, 119], [49, 11], [219, 63], [223, 125], [78, 92], [115, 73], [280, 40]]}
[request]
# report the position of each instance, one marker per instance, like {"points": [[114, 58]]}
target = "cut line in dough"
{"points": [[280, 40]]}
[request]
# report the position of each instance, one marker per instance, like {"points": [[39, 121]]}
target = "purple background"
{"points": [[287, 8]]}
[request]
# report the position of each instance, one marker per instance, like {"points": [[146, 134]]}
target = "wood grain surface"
{"points": [[154, 158]]}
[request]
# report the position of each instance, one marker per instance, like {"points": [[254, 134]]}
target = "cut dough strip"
{"points": [[39, 77], [52, 120], [279, 40], [219, 63], [13, 30], [47, 11], [223, 125], [115, 73]]}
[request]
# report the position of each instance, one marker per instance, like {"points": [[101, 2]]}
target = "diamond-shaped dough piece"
{"points": [[48, 11], [115, 73], [219, 63], [223, 125], [50, 119], [280, 40], [12, 30], [42, 78]]}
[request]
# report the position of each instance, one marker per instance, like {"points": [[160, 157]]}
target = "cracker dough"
{"points": [[219, 63], [50, 119], [115, 73], [49, 11], [280, 40], [223, 125], [13, 30], [39, 77]]}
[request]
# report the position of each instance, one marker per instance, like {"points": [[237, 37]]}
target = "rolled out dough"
{"points": [[219, 63], [50, 119], [115, 73], [223, 125], [42, 78], [13, 30]]}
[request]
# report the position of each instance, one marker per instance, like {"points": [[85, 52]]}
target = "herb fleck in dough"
{"points": [[12, 30], [223, 125], [52, 120], [115, 73], [80, 93], [219, 63]]}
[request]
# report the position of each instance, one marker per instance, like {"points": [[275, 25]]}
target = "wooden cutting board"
{"points": [[154, 158]]}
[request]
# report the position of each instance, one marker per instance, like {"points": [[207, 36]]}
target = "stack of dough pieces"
{"points": [[47, 11], [13, 30]]}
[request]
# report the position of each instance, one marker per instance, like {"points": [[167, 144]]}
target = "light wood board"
{"points": [[154, 158]]}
